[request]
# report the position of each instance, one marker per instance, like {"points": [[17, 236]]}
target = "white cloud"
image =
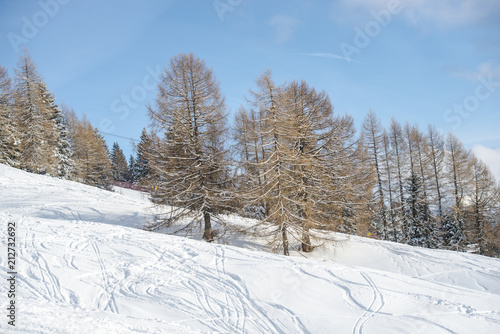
{"points": [[442, 12], [484, 70], [490, 156], [284, 26]]}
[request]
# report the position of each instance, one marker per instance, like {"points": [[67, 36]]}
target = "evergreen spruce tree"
{"points": [[132, 167], [102, 173], [420, 229], [54, 134], [145, 151], [64, 145], [119, 164], [60, 137], [51, 131]]}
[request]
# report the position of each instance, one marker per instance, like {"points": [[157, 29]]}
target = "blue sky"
{"points": [[420, 61]]}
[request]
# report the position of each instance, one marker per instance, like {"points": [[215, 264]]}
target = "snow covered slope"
{"points": [[84, 267]]}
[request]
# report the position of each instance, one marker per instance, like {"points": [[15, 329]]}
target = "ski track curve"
{"points": [[238, 293], [109, 302], [375, 306], [51, 289]]}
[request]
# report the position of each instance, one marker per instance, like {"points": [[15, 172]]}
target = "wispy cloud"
{"points": [[484, 70], [284, 26], [329, 55], [444, 12]]}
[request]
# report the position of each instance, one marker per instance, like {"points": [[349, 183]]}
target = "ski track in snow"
{"points": [[80, 272], [376, 304]]}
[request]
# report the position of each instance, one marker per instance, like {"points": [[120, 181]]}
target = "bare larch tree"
{"points": [[190, 161]]}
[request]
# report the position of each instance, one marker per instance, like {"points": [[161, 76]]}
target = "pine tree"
{"points": [[395, 230], [272, 190], [70, 134], [246, 152], [349, 181], [55, 133], [101, 173], [484, 201], [422, 162], [436, 155], [458, 166], [420, 230], [132, 167], [145, 151], [491, 230], [50, 132], [59, 136], [301, 163], [119, 164], [417, 214], [8, 143], [308, 116], [400, 157], [191, 161], [33, 118], [42, 146], [65, 150], [424, 169], [373, 140]]}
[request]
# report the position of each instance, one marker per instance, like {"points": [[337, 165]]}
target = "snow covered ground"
{"points": [[84, 266]]}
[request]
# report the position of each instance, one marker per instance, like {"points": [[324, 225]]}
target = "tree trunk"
{"points": [[285, 240], [385, 141], [379, 178], [479, 229], [306, 243], [208, 235], [307, 247]]}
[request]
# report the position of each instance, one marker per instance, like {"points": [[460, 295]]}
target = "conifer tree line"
{"points": [[300, 169], [288, 161], [430, 191], [38, 136]]}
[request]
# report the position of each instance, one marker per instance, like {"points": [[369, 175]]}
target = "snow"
{"points": [[85, 266]]}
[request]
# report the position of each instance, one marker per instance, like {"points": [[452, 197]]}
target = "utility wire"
{"points": [[113, 135]]}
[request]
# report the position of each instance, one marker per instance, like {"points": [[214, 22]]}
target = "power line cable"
{"points": [[118, 136]]}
